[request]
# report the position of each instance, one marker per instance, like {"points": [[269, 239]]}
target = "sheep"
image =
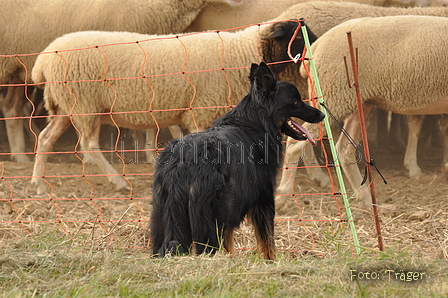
{"points": [[217, 16], [28, 26], [227, 54], [321, 17], [399, 71]]}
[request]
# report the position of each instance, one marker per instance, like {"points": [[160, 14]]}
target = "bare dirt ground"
{"points": [[413, 212]]}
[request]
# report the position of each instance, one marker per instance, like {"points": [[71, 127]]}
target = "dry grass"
{"points": [[52, 265], [100, 250]]}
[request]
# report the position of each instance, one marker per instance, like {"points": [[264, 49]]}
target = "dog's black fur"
{"points": [[207, 182]]}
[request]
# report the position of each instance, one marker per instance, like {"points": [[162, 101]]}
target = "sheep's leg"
{"points": [[151, 145], [410, 158], [176, 131], [295, 152], [397, 130], [443, 122], [314, 172], [27, 111], [91, 142], [377, 124], [293, 155], [349, 159], [13, 106], [46, 140], [151, 156], [37, 99], [196, 129]]}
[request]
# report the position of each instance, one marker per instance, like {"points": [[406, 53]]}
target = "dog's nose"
{"points": [[322, 116]]}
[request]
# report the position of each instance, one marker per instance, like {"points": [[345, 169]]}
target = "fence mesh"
{"points": [[82, 203]]}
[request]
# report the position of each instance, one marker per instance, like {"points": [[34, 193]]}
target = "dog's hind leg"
{"points": [[262, 216], [206, 229], [157, 227]]}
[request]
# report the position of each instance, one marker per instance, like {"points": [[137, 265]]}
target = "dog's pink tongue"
{"points": [[303, 130]]}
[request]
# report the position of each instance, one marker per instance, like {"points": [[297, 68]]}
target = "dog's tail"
{"points": [[170, 224], [174, 248]]}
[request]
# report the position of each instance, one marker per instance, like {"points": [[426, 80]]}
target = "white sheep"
{"points": [[217, 16], [28, 26], [321, 17], [400, 70], [227, 54]]}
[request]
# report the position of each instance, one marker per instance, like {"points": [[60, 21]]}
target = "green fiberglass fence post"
{"points": [[331, 141]]}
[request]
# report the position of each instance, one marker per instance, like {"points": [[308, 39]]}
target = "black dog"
{"points": [[206, 183]]}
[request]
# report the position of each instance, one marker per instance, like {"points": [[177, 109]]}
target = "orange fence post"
{"points": [[364, 140]]}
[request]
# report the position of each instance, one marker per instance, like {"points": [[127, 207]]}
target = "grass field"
{"points": [[51, 265], [111, 259]]}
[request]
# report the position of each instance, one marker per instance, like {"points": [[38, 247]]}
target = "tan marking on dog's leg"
{"points": [[229, 244], [266, 248], [264, 233]]}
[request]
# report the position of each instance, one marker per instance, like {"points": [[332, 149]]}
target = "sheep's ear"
{"points": [[311, 36], [282, 30], [278, 32], [287, 29]]}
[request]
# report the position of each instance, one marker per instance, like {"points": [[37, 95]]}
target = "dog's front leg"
{"points": [[262, 216]]}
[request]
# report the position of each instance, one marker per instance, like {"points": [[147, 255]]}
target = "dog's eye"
{"points": [[296, 102]]}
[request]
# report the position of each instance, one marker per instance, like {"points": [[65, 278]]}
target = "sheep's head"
{"points": [[275, 42]]}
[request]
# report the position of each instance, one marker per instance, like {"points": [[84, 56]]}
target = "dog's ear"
{"points": [[253, 72], [267, 81], [263, 78]]}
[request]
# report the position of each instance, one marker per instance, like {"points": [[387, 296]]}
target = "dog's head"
{"points": [[282, 101]]}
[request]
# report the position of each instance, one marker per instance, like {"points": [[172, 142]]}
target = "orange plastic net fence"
{"points": [[188, 79]]}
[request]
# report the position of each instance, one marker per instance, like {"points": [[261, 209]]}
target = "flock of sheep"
{"points": [[402, 50]]}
